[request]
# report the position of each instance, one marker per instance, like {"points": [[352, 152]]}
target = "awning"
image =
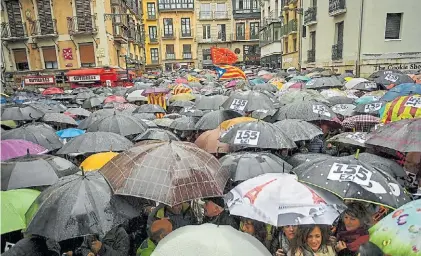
{"points": [[85, 71]]}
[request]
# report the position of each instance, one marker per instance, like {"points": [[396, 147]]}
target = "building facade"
{"points": [[49, 37], [152, 35], [290, 31], [361, 36], [270, 34]]}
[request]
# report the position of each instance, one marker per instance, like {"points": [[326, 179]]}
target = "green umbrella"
{"points": [[14, 204], [300, 78]]}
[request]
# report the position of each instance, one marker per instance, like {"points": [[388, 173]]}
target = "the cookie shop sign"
{"points": [[36, 80], [86, 78]]}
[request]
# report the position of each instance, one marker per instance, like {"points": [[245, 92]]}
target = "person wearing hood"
{"points": [[311, 240]]}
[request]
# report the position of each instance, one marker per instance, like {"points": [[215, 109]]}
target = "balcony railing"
{"points": [[153, 40], [81, 25], [292, 26], [187, 55], [311, 56], [254, 36], [240, 37], [310, 16], [13, 32], [205, 15], [337, 7], [121, 34], [43, 28], [215, 39], [168, 35], [284, 30], [220, 15], [186, 33], [337, 50], [170, 56], [151, 17]]}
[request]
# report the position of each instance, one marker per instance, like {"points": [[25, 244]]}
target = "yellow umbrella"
{"points": [[182, 97], [238, 120], [96, 161], [348, 78], [9, 123]]}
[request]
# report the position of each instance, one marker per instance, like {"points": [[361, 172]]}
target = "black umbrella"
{"points": [[156, 134], [324, 83], [345, 110], [213, 119], [350, 178], [79, 205], [119, 91], [95, 116], [37, 133], [80, 90], [380, 73], [182, 104], [20, 113], [147, 116], [95, 142], [79, 111], [58, 118], [191, 111], [345, 139], [370, 108], [43, 107], [388, 79], [173, 116], [210, 102], [257, 135], [63, 97], [34, 171], [247, 165], [305, 110], [149, 108], [298, 130], [248, 101], [301, 158], [340, 100], [101, 90], [183, 124], [164, 122], [149, 123], [84, 95], [265, 87], [93, 101], [118, 123]]}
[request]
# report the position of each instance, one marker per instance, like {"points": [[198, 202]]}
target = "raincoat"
{"points": [[34, 246], [146, 248], [115, 243]]}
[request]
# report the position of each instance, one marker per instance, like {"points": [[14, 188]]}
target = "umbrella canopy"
{"points": [[97, 161], [298, 130], [182, 97], [124, 125], [191, 111], [37, 133], [247, 101], [349, 138], [323, 82], [209, 141], [94, 142], [361, 123], [34, 171], [69, 133], [136, 95], [302, 95], [78, 205], [402, 90], [305, 110], [300, 158], [333, 92], [257, 135], [145, 116], [100, 90], [156, 134], [353, 179], [9, 123], [403, 136], [211, 102], [398, 232], [95, 116], [114, 98], [16, 148], [81, 90], [340, 100], [150, 108], [182, 104], [370, 108], [301, 78], [279, 199], [213, 119], [247, 165], [58, 119], [164, 122], [361, 84], [210, 240], [265, 87], [344, 109], [406, 107], [390, 80], [384, 72], [93, 102], [14, 204], [82, 96], [20, 113], [168, 172], [79, 112], [52, 91], [183, 124]]}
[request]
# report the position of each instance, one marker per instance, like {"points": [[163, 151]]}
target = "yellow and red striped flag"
{"points": [[229, 72], [158, 99], [404, 107]]}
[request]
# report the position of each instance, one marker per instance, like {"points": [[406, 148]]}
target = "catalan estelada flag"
{"points": [[223, 56], [180, 89], [405, 107], [229, 72], [158, 99]]}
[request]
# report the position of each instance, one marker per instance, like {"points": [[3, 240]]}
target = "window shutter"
{"points": [[20, 56], [393, 25], [87, 54], [49, 54], [15, 19], [45, 17]]}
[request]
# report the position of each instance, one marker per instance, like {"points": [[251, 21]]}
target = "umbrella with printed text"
{"points": [[344, 109], [404, 107], [391, 80], [361, 84], [305, 110], [373, 108], [191, 111], [248, 101], [345, 139]]}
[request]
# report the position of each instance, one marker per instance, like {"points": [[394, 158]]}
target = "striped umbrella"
{"points": [[405, 107]]}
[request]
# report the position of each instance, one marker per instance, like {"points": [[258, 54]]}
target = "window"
{"points": [[243, 4], [206, 31], [313, 3], [313, 40], [241, 29], [154, 55], [168, 27], [294, 44], [339, 33], [87, 55], [152, 33], [222, 34], [21, 59], [185, 27], [221, 11], [206, 54], [50, 57], [169, 51], [205, 11], [254, 30], [393, 26], [286, 50], [187, 51], [175, 4], [151, 11]]}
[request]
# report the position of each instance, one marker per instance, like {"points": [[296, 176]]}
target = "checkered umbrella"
{"points": [[360, 123], [168, 172]]}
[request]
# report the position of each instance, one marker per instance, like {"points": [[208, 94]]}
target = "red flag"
{"points": [[67, 54], [223, 56]]}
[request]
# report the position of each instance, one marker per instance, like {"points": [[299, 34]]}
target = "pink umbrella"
{"points": [[181, 80], [114, 98], [231, 84], [293, 85], [16, 148]]}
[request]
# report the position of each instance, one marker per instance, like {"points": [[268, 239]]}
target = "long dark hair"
{"points": [[370, 249], [300, 240], [359, 211]]}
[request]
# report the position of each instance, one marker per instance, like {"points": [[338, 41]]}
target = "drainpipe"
{"points": [[358, 63]]}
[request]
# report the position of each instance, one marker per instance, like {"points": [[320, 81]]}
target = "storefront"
{"points": [[96, 77], [39, 81]]}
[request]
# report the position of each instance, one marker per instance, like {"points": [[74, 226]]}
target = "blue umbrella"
{"points": [[3, 100], [257, 81], [69, 133], [402, 90], [367, 100]]}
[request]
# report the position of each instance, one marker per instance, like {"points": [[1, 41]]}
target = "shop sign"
{"points": [[34, 80], [398, 66], [87, 78]]}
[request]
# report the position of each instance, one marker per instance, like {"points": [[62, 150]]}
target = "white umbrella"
{"points": [[354, 82], [280, 200], [209, 240], [136, 96]]}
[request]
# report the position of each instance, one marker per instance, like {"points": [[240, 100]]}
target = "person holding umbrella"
{"points": [[311, 240], [281, 243]]}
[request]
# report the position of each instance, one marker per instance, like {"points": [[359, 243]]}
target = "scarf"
{"points": [[283, 242], [353, 239], [323, 251]]}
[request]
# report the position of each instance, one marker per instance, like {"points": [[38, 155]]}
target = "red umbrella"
{"points": [[114, 98], [52, 90]]}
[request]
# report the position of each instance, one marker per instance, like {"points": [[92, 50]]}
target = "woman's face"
{"points": [[351, 223], [314, 239], [289, 232], [248, 227]]}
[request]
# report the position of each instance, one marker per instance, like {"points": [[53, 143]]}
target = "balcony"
{"points": [[13, 32], [220, 15], [151, 17], [311, 56], [120, 34], [310, 16], [81, 25], [254, 36], [153, 39], [168, 36], [169, 56], [337, 50], [337, 7], [284, 30], [240, 37], [186, 34], [246, 14], [292, 26], [176, 5], [205, 15], [215, 39], [43, 28], [187, 55]]}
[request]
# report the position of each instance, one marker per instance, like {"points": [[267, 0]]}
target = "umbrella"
{"points": [[79, 112], [183, 124], [16, 148], [9, 123], [353, 179], [191, 111], [305, 110], [301, 78], [398, 232], [136, 96], [69, 133], [94, 142], [95, 116], [257, 135], [156, 134], [247, 165], [37, 133], [402, 90], [59, 119], [340, 100], [302, 95], [150, 108], [119, 91], [213, 119], [361, 123], [361, 84], [20, 113], [81, 90], [226, 125], [182, 104], [210, 102], [93, 102], [344, 109], [78, 205], [370, 108], [82, 96], [390, 80], [149, 123], [380, 73], [405, 107], [279, 199], [403, 136], [168, 172], [124, 125], [323, 82], [349, 138], [52, 91], [334, 92], [172, 115], [265, 87], [300, 158], [100, 90], [34, 171], [209, 141], [248, 101], [14, 204], [63, 97], [298, 130], [367, 99], [114, 98], [182, 97], [210, 240], [97, 161], [142, 116], [164, 122]]}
